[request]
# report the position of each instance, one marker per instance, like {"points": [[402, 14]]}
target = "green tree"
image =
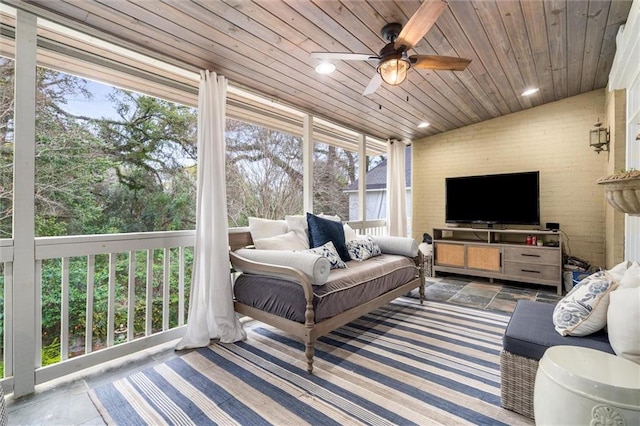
{"points": [[152, 147], [6, 146], [98, 176]]}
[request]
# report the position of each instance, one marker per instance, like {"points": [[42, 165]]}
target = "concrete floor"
{"points": [[66, 401]]}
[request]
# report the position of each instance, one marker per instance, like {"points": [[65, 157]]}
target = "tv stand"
{"points": [[486, 226], [500, 253]]}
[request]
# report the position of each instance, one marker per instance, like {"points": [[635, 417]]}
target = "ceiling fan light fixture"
{"points": [[325, 68], [394, 70]]}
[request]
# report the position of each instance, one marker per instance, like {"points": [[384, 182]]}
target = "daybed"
{"points": [[294, 300]]}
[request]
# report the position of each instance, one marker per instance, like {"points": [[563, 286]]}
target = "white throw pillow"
{"points": [[298, 224], [288, 241], [623, 323], [584, 309], [631, 277], [265, 228], [334, 217], [349, 233], [402, 246], [316, 268], [617, 272]]}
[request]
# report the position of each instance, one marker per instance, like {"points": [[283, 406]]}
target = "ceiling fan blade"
{"points": [[344, 56], [434, 62], [421, 21], [373, 85]]}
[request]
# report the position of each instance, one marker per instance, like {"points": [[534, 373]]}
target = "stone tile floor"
{"points": [[483, 294], [66, 401]]}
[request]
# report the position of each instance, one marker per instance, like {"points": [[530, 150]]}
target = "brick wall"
{"points": [[552, 138]]}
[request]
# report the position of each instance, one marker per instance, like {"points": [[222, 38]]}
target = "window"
{"points": [[334, 169], [120, 164], [264, 172]]}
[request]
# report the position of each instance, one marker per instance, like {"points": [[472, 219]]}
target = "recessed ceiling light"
{"points": [[424, 124], [530, 92], [325, 68]]}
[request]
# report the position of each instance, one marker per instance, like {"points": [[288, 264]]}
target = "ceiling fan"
{"points": [[393, 61]]}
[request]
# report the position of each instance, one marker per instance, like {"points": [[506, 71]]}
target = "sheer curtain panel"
{"points": [[211, 314], [396, 189]]}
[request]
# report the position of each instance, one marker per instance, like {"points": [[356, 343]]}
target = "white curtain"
{"points": [[211, 314], [396, 189]]}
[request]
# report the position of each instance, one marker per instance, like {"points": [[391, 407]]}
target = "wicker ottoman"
{"points": [[517, 378], [529, 334]]}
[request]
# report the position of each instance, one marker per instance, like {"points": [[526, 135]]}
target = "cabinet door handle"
{"points": [[529, 255], [529, 270]]}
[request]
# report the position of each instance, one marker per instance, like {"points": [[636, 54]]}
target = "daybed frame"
{"points": [[310, 331]]}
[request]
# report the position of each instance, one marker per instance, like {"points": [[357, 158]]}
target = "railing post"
{"points": [[88, 338]]}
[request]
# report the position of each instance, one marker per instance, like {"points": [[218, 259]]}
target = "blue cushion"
{"points": [[322, 231], [531, 332]]}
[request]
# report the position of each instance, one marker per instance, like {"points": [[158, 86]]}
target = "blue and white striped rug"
{"points": [[403, 364]]}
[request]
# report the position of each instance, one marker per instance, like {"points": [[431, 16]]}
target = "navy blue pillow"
{"points": [[323, 230]]}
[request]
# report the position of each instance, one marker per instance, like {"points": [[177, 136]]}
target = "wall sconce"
{"points": [[599, 138]]}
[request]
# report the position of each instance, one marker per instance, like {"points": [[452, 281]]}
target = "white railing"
{"points": [[376, 227], [133, 270], [6, 263], [113, 254], [111, 265]]}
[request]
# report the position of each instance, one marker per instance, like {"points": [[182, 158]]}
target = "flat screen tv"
{"points": [[499, 199]]}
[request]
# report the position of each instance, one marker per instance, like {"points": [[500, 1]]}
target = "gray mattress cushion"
{"points": [[345, 288], [530, 332]]}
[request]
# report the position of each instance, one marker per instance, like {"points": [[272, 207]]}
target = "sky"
{"points": [[98, 107]]}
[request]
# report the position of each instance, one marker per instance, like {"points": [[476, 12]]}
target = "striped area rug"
{"points": [[404, 364]]}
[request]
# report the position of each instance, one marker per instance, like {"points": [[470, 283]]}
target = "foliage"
{"points": [[334, 169], [264, 173], [6, 146], [51, 353], [135, 171]]}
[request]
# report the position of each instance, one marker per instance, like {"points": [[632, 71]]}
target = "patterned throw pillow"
{"points": [[329, 251], [363, 248], [584, 309]]}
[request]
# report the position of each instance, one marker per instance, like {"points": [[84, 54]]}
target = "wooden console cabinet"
{"points": [[500, 253]]}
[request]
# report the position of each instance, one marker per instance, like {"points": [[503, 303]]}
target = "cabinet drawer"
{"points": [[532, 270], [532, 255]]}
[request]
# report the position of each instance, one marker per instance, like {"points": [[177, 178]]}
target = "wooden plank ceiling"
{"points": [[563, 47]]}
